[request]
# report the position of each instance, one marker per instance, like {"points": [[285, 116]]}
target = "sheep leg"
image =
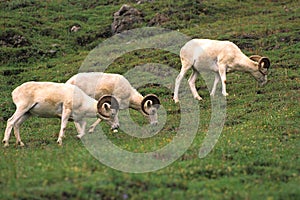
{"points": [[222, 73], [185, 67], [17, 129], [19, 113], [192, 81], [80, 126], [216, 81], [93, 126], [64, 121], [9, 126]]}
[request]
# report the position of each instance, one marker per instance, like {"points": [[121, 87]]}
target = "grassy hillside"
{"points": [[257, 154]]}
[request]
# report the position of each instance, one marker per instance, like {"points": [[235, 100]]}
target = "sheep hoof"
{"points": [[199, 98], [6, 144], [225, 94], [21, 144], [79, 136], [59, 142], [115, 130], [91, 130], [176, 100]]}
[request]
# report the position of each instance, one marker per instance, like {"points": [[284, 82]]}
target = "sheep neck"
{"points": [[136, 101], [243, 64]]}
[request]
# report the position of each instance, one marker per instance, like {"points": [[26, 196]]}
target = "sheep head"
{"points": [[150, 105], [263, 64], [108, 108]]}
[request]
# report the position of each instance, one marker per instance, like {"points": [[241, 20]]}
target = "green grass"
{"points": [[257, 154]]}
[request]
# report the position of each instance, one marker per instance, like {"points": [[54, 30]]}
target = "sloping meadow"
{"points": [[257, 153]]}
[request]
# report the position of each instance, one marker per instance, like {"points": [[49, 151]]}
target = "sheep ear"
{"points": [[150, 100], [105, 104]]}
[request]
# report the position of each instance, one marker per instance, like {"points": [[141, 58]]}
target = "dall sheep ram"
{"points": [[219, 57], [96, 84], [68, 102]]}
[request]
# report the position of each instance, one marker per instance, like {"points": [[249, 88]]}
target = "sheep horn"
{"points": [[255, 58], [112, 101], [154, 99], [266, 62], [261, 60]]}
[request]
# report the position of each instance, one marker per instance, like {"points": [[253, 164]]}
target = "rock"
{"points": [[158, 19], [126, 18], [75, 28], [11, 38]]}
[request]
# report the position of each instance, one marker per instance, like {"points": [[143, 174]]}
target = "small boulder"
{"points": [[75, 28], [126, 18]]}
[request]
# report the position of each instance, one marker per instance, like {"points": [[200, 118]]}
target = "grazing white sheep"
{"points": [[68, 102], [96, 84], [219, 57]]}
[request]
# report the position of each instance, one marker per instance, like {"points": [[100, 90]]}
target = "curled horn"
{"points": [[261, 60], [266, 62], [112, 101], [255, 58], [150, 97]]}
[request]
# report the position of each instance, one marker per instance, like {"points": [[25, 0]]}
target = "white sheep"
{"points": [[219, 57], [49, 100], [96, 84]]}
